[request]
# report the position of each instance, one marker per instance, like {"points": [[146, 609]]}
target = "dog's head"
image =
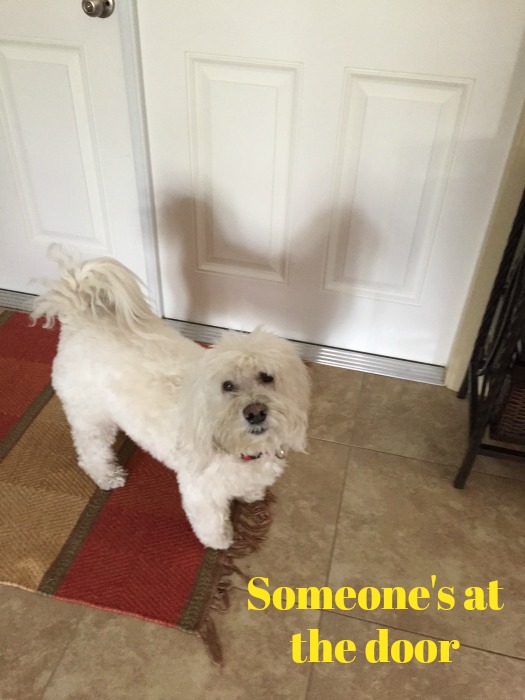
{"points": [[250, 395]]}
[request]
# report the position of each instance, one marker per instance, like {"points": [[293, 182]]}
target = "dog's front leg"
{"points": [[253, 495], [209, 516]]}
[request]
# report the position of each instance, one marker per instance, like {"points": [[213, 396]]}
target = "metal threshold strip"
{"points": [[336, 357]]}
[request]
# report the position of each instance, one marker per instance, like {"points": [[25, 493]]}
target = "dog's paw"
{"points": [[113, 480], [221, 540]]}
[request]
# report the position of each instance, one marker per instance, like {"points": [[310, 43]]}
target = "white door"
{"points": [[329, 168], [67, 168]]}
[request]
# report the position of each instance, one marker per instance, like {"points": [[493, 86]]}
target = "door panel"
{"points": [[32, 72], [66, 163], [241, 102], [382, 252], [329, 169]]}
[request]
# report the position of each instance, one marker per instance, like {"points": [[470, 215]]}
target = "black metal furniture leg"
{"points": [[500, 344], [463, 389], [468, 461]]}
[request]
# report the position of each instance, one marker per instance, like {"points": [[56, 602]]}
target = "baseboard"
{"points": [[16, 300], [336, 357]]}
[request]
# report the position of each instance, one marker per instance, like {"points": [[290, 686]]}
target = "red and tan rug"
{"points": [[130, 550]]}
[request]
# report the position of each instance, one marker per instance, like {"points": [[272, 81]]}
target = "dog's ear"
{"points": [[294, 379], [303, 404], [201, 400], [194, 409], [297, 427]]}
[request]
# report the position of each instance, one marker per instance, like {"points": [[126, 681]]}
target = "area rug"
{"points": [[131, 550]]}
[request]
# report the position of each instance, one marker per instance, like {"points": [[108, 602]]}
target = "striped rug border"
{"points": [[6, 315], [209, 575], [55, 575], [31, 412], [29, 415]]}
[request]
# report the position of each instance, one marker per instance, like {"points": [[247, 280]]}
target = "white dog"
{"points": [[223, 419]]}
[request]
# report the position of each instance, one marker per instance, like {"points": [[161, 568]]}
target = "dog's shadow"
{"points": [[297, 303]]}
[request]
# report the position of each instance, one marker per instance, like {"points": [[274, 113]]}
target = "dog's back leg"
{"points": [[93, 436]]}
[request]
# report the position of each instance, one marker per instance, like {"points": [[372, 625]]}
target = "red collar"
{"points": [[248, 458]]}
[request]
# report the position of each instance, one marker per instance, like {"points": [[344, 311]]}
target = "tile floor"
{"points": [[371, 504]]}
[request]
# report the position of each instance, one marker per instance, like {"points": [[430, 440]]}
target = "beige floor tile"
{"points": [[299, 543], [260, 643], [34, 632], [401, 521], [335, 402], [500, 467], [411, 419], [471, 675], [122, 658]]}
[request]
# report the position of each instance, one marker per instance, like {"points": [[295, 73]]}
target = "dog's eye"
{"points": [[228, 386], [265, 378]]}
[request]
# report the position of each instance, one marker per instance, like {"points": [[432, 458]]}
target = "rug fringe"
{"points": [[208, 633], [251, 524]]}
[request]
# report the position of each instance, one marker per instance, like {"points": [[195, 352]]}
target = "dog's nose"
{"points": [[255, 413]]}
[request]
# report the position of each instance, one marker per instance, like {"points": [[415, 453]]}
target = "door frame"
{"points": [[134, 84], [507, 201]]}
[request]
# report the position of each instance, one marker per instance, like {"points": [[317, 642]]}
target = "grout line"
{"points": [[82, 613], [339, 508], [331, 556], [311, 669], [416, 459], [402, 629], [384, 452], [420, 634]]}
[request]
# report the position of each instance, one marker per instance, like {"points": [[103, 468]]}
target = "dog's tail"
{"points": [[92, 291]]}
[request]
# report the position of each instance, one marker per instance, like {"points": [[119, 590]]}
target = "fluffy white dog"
{"points": [[223, 419]]}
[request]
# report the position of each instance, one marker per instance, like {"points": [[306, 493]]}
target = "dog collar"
{"points": [[280, 454], [248, 458]]}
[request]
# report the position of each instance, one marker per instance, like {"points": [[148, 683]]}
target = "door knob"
{"points": [[98, 8]]}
